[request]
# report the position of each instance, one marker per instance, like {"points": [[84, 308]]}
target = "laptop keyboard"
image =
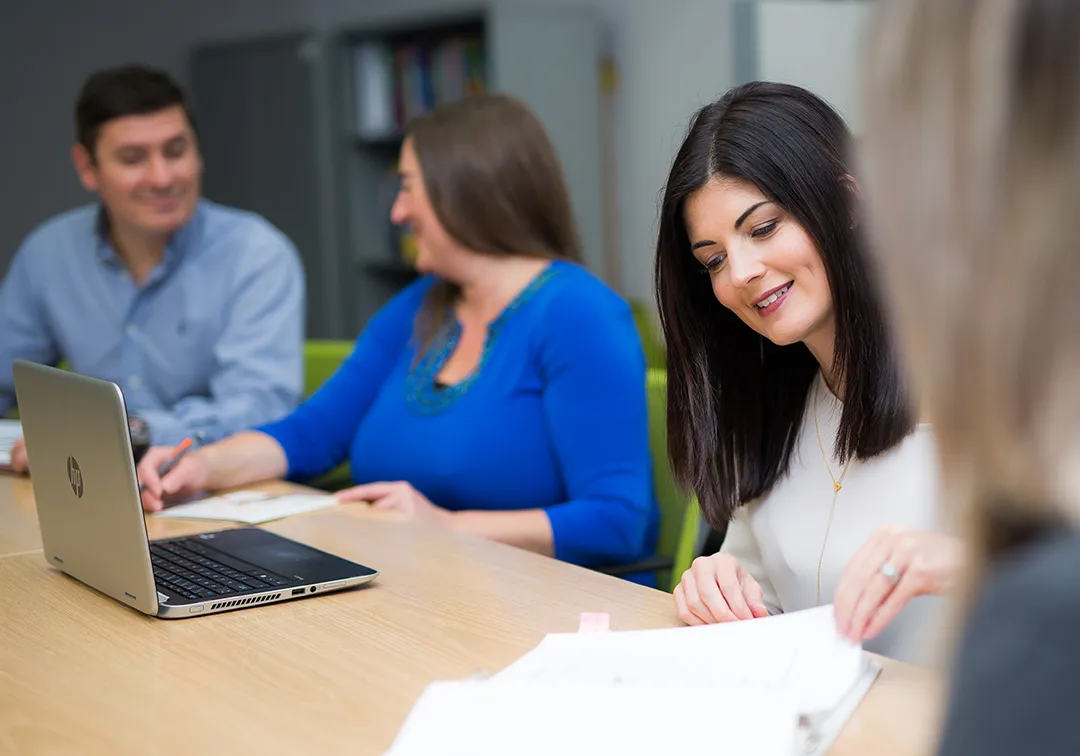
{"points": [[188, 569]]}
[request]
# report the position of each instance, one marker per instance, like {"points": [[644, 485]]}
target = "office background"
{"points": [[670, 56]]}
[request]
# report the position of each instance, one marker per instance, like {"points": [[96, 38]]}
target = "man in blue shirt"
{"points": [[194, 309]]}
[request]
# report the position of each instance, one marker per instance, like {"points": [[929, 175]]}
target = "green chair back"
{"points": [[655, 356], [321, 358], [679, 516]]}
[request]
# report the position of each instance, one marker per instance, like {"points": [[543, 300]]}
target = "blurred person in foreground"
{"points": [[972, 153]]}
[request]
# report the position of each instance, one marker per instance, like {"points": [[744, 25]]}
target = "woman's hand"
{"points": [[894, 566], [717, 589], [190, 475], [399, 497]]}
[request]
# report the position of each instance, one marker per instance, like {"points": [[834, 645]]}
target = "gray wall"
{"points": [[673, 55], [813, 43]]}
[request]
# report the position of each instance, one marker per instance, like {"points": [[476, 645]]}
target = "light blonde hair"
{"points": [[972, 176]]}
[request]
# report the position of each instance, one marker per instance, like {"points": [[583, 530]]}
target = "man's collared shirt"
{"points": [[211, 342]]}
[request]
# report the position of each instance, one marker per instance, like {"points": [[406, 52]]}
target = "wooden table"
{"points": [[18, 516], [79, 672]]}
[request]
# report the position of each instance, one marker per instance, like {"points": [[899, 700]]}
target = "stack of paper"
{"points": [[251, 507], [778, 685], [10, 432]]}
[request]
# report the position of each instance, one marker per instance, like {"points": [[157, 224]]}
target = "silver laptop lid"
{"points": [[85, 486]]}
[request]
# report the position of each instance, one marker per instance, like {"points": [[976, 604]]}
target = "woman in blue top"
{"points": [[503, 393]]}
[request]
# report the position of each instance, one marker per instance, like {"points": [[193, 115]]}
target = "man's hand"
{"points": [[19, 461]]}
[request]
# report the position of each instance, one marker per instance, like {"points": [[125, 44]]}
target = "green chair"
{"points": [[679, 516], [321, 358], [655, 356]]}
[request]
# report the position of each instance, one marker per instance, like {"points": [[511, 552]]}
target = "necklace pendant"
{"points": [[837, 487]]}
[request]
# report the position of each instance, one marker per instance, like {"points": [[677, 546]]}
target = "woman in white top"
{"points": [[788, 415]]}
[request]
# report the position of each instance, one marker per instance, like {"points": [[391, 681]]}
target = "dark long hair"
{"points": [[735, 399], [496, 186]]}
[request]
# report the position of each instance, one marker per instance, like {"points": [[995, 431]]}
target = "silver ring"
{"points": [[890, 572]]}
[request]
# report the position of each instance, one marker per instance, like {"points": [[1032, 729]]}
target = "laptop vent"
{"points": [[245, 601]]}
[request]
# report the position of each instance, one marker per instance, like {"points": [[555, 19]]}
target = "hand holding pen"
{"points": [[159, 462]]}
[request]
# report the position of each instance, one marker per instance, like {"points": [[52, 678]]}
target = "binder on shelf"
{"points": [[373, 77], [397, 83]]}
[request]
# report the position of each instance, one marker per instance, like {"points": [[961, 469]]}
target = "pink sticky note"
{"points": [[594, 622]]}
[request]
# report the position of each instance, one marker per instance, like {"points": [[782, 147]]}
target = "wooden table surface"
{"points": [[81, 673]]}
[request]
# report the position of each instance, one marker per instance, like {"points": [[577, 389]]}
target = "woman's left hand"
{"points": [[894, 566], [400, 497]]}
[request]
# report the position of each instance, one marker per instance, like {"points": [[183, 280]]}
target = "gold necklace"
{"points": [[838, 483]]}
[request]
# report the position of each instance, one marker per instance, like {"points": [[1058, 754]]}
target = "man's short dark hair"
{"points": [[124, 91]]}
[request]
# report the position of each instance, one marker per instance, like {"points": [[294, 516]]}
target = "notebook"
{"points": [[250, 507], [775, 686]]}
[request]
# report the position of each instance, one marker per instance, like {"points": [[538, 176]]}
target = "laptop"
{"points": [[91, 517]]}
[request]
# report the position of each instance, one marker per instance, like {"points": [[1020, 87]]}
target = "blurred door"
{"points": [[263, 113]]}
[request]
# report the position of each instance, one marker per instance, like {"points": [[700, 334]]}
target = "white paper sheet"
{"points": [[568, 719], [250, 507], [800, 651], [10, 432], [790, 674]]}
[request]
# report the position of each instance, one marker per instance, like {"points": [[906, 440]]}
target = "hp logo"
{"points": [[75, 477]]}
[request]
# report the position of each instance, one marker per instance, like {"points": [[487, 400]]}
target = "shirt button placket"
{"points": [[130, 355]]}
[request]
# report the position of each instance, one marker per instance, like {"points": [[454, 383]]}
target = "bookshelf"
{"points": [[390, 76], [400, 75], [305, 129]]}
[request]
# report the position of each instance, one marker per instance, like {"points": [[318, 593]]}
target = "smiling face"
{"points": [[436, 250], [762, 264], [146, 169]]}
